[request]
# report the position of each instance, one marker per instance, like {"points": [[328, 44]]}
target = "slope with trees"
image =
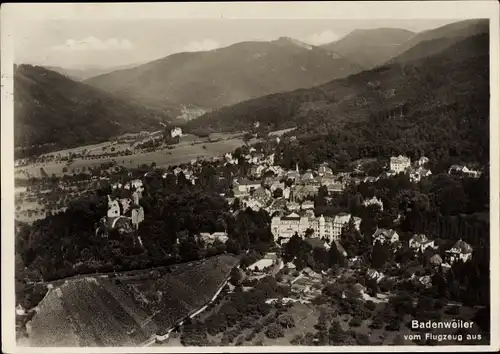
{"points": [[53, 112]]}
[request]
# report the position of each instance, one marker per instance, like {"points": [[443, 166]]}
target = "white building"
{"points": [[465, 170], [422, 161], [176, 132], [460, 251], [246, 186], [328, 228], [286, 227], [307, 205], [374, 201], [210, 238], [399, 164]]}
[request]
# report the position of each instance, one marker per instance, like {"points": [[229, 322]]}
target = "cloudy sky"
{"points": [[107, 43]]}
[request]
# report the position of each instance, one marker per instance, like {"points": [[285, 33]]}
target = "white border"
{"points": [[12, 13]]}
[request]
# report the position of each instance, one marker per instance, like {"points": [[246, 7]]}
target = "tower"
{"points": [[321, 226]]}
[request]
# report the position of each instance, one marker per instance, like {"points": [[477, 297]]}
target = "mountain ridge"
{"points": [[225, 76]]}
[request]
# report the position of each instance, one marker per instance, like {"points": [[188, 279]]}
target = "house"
{"points": [[416, 241], [306, 205], [210, 238], [277, 205], [251, 203], [246, 185], [262, 195], [465, 170], [257, 170], [460, 251], [399, 164], [304, 192], [176, 132], [276, 184], [20, 311], [293, 206], [385, 236], [308, 176], [335, 188], [422, 161], [325, 170], [374, 201], [286, 193], [418, 174]]}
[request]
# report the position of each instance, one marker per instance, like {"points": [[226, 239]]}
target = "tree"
{"points": [[274, 331], [286, 321]]}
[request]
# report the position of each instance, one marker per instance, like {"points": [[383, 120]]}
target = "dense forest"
{"points": [[436, 106], [53, 112]]}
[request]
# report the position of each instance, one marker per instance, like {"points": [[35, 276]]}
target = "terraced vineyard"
{"points": [[182, 290], [126, 311]]}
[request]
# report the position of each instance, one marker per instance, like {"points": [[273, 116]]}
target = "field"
{"points": [[176, 294], [126, 310], [190, 147]]}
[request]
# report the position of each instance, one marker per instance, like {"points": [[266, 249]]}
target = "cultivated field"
{"points": [[190, 147], [126, 310]]}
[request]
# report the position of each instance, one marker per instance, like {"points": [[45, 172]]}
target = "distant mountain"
{"points": [[53, 110], [454, 81], [221, 77], [433, 41], [371, 47], [87, 73]]}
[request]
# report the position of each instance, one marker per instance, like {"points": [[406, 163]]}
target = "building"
{"points": [[374, 201], [251, 203], [422, 161], [307, 205], [460, 251], [385, 236], [419, 173], [399, 164], [262, 195], [257, 170], [325, 170], [465, 170], [246, 186], [210, 238], [176, 132], [286, 227], [417, 241], [275, 185]]}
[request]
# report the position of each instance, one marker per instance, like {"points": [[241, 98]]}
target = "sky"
{"points": [[113, 42]]}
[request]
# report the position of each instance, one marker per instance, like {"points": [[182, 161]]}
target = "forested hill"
{"points": [[224, 76], [52, 111], [447, 92]]}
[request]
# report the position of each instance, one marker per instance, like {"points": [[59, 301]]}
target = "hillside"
{"points": [[212, 79], [57, 112], [433, 41], [126, 310], [453, 83], [372, 47]]}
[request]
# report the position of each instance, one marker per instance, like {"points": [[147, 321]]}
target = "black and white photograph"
{"points": [[250, 176]]}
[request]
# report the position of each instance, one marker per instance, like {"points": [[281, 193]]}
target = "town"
{"points": [[308, 234]]}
